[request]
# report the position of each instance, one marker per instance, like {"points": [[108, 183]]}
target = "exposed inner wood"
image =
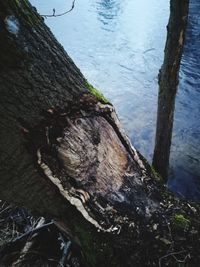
{"points": [[88, 161], [64, 154]]}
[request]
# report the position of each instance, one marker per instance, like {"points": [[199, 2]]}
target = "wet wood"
{"points": [[168, 83]]}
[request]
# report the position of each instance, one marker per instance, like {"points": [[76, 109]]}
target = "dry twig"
{"points": [[61, 14]]}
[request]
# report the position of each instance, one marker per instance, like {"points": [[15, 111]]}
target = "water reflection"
{"points": [[120, 50], [185, 161], [108, 11]]}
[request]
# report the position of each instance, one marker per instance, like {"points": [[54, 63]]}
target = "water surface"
{"points": [[119, 45], [185, 152]]}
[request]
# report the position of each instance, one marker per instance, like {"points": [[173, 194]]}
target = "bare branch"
{"points": [[170, 254], [61, 14]]}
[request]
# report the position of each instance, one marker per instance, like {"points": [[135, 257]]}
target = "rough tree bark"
{"points": [[168, 82], [64, 154]]}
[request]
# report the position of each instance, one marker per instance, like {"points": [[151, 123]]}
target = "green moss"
{"points": [[29, 16], [180, 222], [156, 174], [97, 93], [17, 2], [32, 18], [87, 243], [95, 246]]}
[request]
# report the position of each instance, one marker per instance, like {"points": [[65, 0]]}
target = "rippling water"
{"points": [[118, 45], [185, 159]]}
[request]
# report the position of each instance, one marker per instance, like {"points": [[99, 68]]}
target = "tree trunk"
{"points": [[64, 154], [168, 82]]}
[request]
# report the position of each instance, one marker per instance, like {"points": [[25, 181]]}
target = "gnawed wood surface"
{"points": [[85, 156], [53, 126], [65, 155]]}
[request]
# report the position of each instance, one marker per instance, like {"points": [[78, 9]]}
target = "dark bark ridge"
{"points": [[41, 93], [63, 153]]}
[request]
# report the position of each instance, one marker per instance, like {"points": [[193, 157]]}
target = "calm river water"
{"points": [[118, 45]]}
